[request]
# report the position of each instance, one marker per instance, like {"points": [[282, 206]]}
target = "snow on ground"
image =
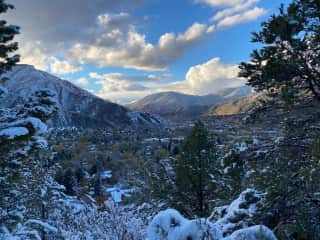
{"points": [[107, 174], [252, 233], [41, 142], [14, 132], [3, 90], [117, 193], [36, 124], [73, 204], [146, 118], [242, 147], [44, 225]]}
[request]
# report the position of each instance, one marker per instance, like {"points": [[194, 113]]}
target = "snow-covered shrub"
{"points": [[170, 225], [252, 233], [115, 222], [239, 213]]}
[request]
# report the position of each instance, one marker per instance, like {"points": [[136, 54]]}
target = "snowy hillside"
{"points": [[77, 107]]}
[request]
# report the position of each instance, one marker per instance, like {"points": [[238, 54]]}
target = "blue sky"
{"points": [[126, 49]]}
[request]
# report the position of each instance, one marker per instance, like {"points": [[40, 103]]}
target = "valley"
{"points": [[131, 166], [223, 147]]}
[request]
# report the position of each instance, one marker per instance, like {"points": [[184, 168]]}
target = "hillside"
{"points": [[77, 107], [176, 105], [237, 106]]}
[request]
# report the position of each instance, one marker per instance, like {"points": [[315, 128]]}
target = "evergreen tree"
{"points": [[230, 178], [7, 46], [288, 63], [193, 171], [289, 176], [97, 186], [24, 159], [70, 182]]}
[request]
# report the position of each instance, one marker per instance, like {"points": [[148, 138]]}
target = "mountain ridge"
{"points": [[175, 105], [77, 107]]}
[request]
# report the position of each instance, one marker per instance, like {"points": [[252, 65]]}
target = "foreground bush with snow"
{"points": [[252, 233], [171, 225]]}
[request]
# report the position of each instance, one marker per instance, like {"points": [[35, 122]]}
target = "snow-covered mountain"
{"points": [[174, 104], [77, 107]]}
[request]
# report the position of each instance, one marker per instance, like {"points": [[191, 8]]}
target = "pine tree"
{"points": [[288, 63], [289, 176], [230, 177], [70, 182], [23, 161], [193, 170], [7, 46]]}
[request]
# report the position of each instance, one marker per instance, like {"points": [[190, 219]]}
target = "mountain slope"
{"points": [[77, 107], [178, 105], [237, 106]]}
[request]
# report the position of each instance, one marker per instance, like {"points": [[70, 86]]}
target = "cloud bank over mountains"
{"points": [[65, 36]]}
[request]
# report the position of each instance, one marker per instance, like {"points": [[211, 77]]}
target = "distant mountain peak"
{"points": [[176, 104]]}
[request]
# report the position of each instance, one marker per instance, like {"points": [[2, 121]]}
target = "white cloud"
{"points": [[233, 12], [246, 16], [32, 55], [233, 9], [63, 67], [212, 76], [206, 78], [219, 3], [113, 39], [123, 88], [130, 49], [111, 85], [82, 81], [147, 78], [62, 21]]}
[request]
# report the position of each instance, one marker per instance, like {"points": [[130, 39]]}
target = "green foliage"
{"points": [[230, 178], [289, 175], [193, 170], [7, 47], [287, 63]]}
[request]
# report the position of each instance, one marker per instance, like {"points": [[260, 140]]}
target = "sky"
{"points": [[124, 50]]}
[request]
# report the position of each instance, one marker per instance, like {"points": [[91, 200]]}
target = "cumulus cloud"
{"points": [[133, 51], [105, 39], [117, 83], [62, 66], [202, 79], [60, 21], [122, 88], [212, 76], [82, 81], [32, 55], [107, 35], [50, 28]]}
